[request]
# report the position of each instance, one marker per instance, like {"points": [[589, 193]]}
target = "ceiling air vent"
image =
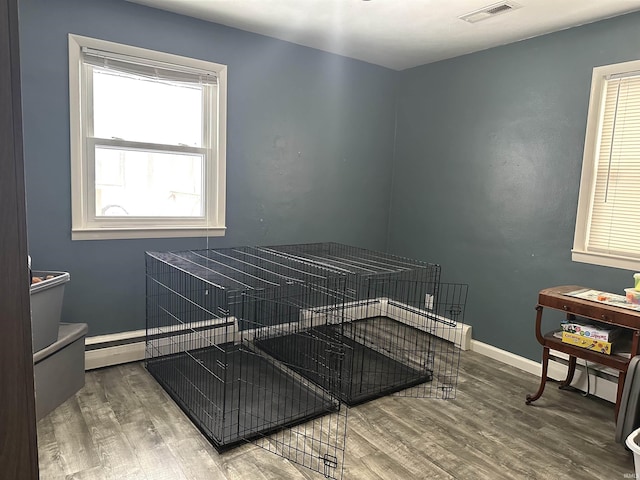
{"points": [[489, 11]]}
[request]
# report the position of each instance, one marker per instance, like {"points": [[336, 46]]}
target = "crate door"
{"points": [[428, 339], [286, 379], [310, 424]]}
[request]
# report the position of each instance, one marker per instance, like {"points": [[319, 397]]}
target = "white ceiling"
{"points": [[397, 34]]}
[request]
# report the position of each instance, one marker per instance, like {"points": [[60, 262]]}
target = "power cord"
{"points": [[586, 369]]}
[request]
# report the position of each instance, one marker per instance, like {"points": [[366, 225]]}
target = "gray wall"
{"points": [[310, 143], [485, 175], [487, 170]]}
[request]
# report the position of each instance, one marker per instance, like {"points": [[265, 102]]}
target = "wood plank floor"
{"points": [[122, 425]]}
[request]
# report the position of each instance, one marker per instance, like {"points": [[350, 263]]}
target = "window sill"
{"points": [[131, 233], [606, 260]]}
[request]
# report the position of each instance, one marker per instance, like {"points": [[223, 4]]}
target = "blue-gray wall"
{"points": [[487, 171], [310, 147]]}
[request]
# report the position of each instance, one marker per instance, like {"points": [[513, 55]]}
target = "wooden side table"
{"points": [[556, 298]]}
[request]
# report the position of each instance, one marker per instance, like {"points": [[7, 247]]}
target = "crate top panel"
{"points": [[247, 268], [350, 260]]}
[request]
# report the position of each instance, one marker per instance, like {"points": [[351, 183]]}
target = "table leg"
{"points": [[570, 372], [545, 364]]}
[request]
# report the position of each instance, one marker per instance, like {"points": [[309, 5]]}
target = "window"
{"points": [[147, 142], [608, 221]]}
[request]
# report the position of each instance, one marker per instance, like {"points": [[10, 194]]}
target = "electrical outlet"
{"points": [[428, 301]]}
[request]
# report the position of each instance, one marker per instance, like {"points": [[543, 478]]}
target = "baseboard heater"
{"points": [[114, 349]]}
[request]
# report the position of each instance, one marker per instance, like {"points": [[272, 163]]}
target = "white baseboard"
{"points": [[109, 356], [457, 333], [598, 386], [427, 321], [99, 357], [132, 349], [130, 346], [124, 347], [504, 356]]}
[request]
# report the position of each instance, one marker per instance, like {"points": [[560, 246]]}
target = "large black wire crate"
{"points": [[265, 344], [204, 309], [397, 328]]}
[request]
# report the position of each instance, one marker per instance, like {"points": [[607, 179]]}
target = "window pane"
{"points": [[146, 110], [148, 184]]}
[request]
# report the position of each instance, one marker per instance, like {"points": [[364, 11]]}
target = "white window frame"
{"points": [[581, 251], [85, 225]]}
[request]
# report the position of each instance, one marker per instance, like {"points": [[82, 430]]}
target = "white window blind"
{"points": [[147, 68], [614, 226]]}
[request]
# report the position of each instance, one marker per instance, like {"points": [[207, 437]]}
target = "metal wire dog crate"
{"points": [[397, 329], [204, 309], [264, 344]]}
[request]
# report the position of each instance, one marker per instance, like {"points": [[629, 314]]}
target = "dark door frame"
{"points": [[18, 442]]}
